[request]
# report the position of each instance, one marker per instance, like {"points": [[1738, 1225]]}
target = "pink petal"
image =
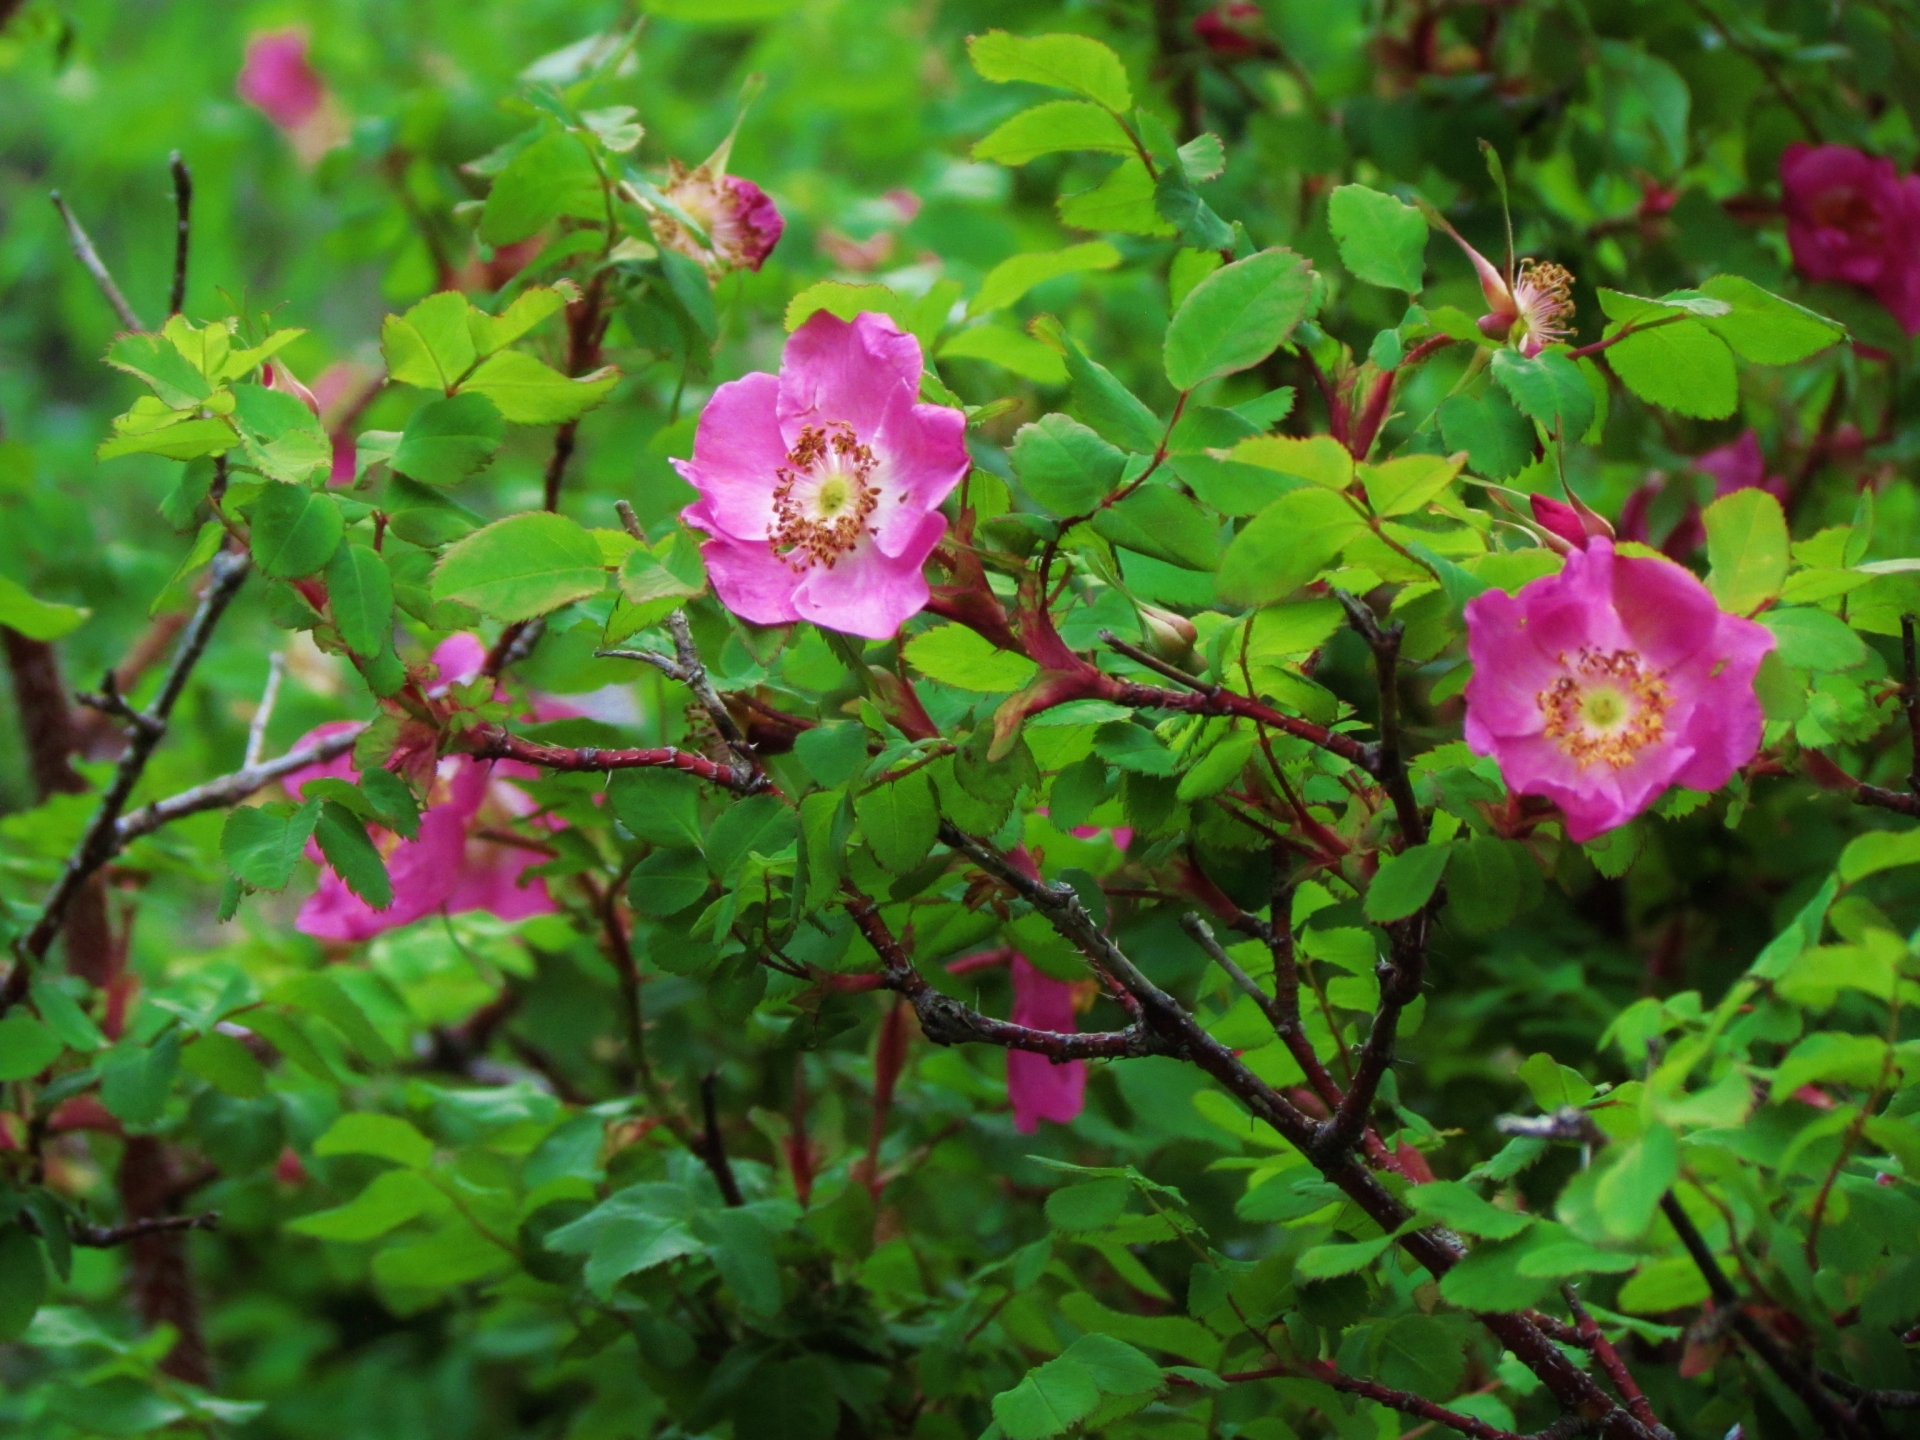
{"points": [[922, 451], [459, 657], [1037, 1087], [751, 581], [866, 592], [737, 455], [277, 80], [338, 768], [834, 369], [1668, 614]]}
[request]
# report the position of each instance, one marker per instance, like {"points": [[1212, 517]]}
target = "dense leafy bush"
{"points": [[842, 718]]}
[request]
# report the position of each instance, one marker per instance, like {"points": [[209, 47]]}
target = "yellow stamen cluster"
{"points": [[1543, 294], [823, 499], [1605, 708]]}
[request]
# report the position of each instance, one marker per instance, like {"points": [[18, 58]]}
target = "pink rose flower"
{"points": [[447, 868], [1737, 465], [1602, 685], [821, 486], [1037, 1087], [1851, 219], [278, 81], [742, 224]]}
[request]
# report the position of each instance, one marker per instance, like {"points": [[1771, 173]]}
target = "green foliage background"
{"points": [[1642, 145]]}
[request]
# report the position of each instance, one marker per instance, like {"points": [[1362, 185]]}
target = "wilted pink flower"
{"points": [[1602, 685], [1529, 310], [1851, 218], [1038, 1088], [278, 80], [1232, 28], [742, 224], [1737, 465], [447, 868], [821, 486]]}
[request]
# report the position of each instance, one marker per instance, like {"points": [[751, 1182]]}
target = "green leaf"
{"points": [[552, 177], [1093, 1205], [1237, 316], [447, 440], [1123, 202], [360, 598], [668, 881], [1382, 241], [1548, 388], [1049, 1401], [37, 619], [1683, 367], [1286, 545], [845, 300], [1765, 329], [431, 346], [1010, 350], [261, 843], [294, 530], [807, 1409], [135, 1080], [425, 517], [1404, 485], [1747, 547], [1456, 1206], [529, 392], [1421, 1353], [1324, 1262], [1064, 466], [186, 440], [957, 656], [386, 1137], [26, 1047], [1878, 850], [659, 805], [1166, 523], [1066, 62], [1487, 879], [23, 1278], [1016, 275], [1812, 639], [1833, 1057], [523, 566], [318, 993], [1629, 1190], [1217, 769], [1114, 412], [226, 1064], [1497, 438], [1114, 1365], [392, 1199], [1406, 881], [900, 821], [531, 306], [344, 841], [1552, 1084], [63, 1015], [1193, 220], [1056, 125], [174, 378], [283, 438], [632, 1230]]}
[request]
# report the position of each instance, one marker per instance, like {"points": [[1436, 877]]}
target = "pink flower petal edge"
{"points": [[820, 488], [1038, 1088], [1600, 686], [1851, 220]]}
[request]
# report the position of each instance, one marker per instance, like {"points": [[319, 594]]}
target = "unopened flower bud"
{"points": [[1170, 636]]}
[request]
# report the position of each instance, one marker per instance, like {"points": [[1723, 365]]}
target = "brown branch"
{"points": [[1208, 699], [1834, 1418], [1881, 1399], [230, 789], [1406, 1402], [1384, 642], [1400, 983], [712, 1149], [1897, 801], [1603, 1350], [89, 258], [492, 742], [162, 1285], [182, 232], [1437, 1251], [1910, 700], [101, 1237]]}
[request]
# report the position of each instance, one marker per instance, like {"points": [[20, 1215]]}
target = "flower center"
{"points": [[1543, 294], [1605, 708], [824, 496]]}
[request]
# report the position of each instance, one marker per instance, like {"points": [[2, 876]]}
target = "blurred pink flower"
{"points": [[1038, 1088], [1232, 29], [280, 82], [742, 223], [1602, 685], [1737, 465], [821, 486], [1851, 219], [447, 868]]}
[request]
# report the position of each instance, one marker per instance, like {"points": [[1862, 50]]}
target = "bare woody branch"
{"points": [[230, 789], [89, 258], [491, 742], [182, 230]]}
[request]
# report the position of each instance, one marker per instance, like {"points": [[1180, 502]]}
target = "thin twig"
{"points": [[1603, 1350], [263, 713], [101, 1237], [102, 839], [84, 252], [1910, 699], [491, 742], [183, 230], [1384, 642], [1883, 1399], [230, 789], [712, 1148]]}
